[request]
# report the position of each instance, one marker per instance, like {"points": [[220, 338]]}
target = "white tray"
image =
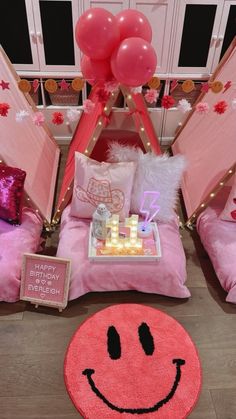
{"points": [[93, 257]]}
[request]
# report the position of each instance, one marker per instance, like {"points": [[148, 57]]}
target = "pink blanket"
{"points": [[166, 277], [219, 239], [14, 241]]}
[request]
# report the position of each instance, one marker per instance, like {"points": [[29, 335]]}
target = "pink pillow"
{"points": [[11, 193], [229, 211], [96, 183]]}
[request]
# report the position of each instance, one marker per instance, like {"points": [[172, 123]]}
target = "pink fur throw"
{"points": [[153, 173]]}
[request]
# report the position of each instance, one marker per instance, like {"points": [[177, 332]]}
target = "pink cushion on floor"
{"points": [[219, 239], [14, 241], [165, 277]]}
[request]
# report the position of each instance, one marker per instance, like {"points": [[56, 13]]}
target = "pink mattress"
{"points": [[166, 277], [219, 239], [14, 241]]}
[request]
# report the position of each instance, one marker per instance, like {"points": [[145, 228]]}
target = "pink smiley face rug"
{"points": [[131, 360]]}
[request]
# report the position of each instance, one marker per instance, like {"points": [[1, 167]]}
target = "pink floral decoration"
{"points": [[88, 106], [57, 118], [220, 107], [151, 96], [4, 108], [38, 118], [167, 102], [111, 86], [202, 108]]}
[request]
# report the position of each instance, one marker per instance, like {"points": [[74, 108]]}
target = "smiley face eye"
{"points": [[146, 339], [113, 343]]}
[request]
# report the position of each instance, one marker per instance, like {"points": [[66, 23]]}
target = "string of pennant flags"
{"points": [[151, 95]]}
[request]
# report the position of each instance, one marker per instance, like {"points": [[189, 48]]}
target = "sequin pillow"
{"points": [[11, 193], [229, 211], [107, 183]]}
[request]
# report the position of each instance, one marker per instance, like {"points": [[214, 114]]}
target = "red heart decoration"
{"points": [[233, 214]]}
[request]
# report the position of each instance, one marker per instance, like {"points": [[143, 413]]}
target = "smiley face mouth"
{"points": [[160, 403]]}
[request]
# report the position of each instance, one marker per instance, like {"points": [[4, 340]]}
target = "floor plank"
{"points": [[225, 403]]}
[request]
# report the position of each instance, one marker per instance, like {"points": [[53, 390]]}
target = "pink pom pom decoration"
{"points": [[202, 108]]}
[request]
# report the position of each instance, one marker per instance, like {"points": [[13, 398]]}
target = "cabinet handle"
{"points": [[214, 37], [220, 38]]}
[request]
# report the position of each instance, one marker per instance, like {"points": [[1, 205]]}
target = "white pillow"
{"points": [[153, 173]]}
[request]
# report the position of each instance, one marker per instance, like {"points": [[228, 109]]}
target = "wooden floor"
{"points": [[33, 344]]}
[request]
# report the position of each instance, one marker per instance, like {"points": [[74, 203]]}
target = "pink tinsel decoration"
{"points": [[151, 96], [167, 102], [102, 95], [202, 108], [58, 118], [38, 118], [220, 107], [88, 106]]}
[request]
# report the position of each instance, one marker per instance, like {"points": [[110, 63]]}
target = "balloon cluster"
{"points": [[116, 47]]}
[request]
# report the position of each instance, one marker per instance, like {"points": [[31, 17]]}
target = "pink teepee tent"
{"points": [[209, 141], [25, 145]]}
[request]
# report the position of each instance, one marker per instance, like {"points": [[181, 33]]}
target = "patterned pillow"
{"points": [[229, 211], [11, 193], [96, 183]]}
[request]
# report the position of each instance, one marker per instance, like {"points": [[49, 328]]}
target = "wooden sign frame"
{"points": [[45, 267]]}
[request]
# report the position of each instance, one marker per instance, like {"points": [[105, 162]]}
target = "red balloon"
{"points": [[95, 70], [133, 62], [133, 23], [97, 33]]}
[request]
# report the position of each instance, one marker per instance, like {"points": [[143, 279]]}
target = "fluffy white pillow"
{"points": [[153, 173]]}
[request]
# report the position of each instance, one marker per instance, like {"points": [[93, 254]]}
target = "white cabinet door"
{"points": [[226, 32], [196, 35], [55, 31], [17, 34], [160, 15], [113, 6]]}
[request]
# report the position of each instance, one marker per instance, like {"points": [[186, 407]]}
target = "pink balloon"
{"points": [[133, 62], [95, 70], [97, 33], [133, 23]]}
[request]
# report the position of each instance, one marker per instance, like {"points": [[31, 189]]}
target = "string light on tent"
{"points": [[212, 195]]}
